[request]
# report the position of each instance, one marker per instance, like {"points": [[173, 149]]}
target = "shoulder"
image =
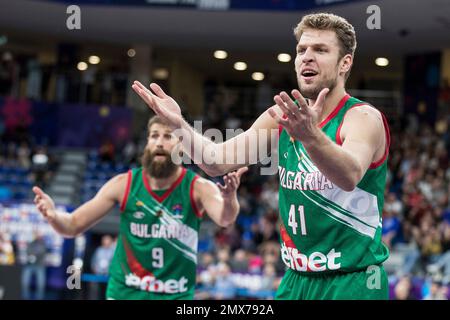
{"points": [[116, 186], [121, 178], [202, 185], [364, 111]]}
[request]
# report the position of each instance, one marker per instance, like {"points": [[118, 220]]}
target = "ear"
{"points": [[345, 63]]}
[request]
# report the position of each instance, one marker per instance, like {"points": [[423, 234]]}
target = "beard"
{"points": [[158, 169], [311, 92]]}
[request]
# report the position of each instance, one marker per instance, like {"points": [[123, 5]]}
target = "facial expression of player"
{"points": [[161, 142], [317, 63]]}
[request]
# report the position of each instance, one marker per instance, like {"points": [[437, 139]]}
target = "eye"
{"points": [[168, 136]]}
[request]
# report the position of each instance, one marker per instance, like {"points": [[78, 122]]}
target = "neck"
{"points": [[164, 183], [331, 101]]}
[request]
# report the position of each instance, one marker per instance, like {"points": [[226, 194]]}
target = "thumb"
{"points": [[38, 191], [321, 98], [241, 171]]}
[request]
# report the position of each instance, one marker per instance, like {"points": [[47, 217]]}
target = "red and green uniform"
{"points": [[156, 253], [330, 238]]}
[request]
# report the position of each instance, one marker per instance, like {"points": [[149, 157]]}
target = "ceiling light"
{"points": [[82, 66], [160, 74], [131, 52], [258, 76], [381, 62], [240, 66], [220, 54], [284, 57], [94, 60]]}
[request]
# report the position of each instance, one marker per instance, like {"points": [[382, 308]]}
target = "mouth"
{"points": [[309, 74], [160, 156]]}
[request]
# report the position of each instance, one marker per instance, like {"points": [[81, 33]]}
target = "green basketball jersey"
{"points": [[324, 228], [156, 253]]}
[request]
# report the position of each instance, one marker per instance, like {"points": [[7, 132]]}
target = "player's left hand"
{"points": [[232, 181], [299, 121]]}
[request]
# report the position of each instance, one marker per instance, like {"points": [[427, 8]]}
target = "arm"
{"points": [[219, 202], [363, 141], [88, 214], [242, 150], [362, 134]]}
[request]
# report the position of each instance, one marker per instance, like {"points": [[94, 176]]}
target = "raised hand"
{"points": [[232, 181], [299, 121], [162, 104], [44, 204]]}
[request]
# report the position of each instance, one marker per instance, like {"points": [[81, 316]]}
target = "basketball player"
{"points": [[162, 205], [332, 152]]}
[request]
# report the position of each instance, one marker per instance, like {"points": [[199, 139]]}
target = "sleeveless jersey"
{"points": [[324, 228], [156, 253]]}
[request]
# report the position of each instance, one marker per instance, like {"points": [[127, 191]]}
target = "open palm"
{"points": [[161, 103]]}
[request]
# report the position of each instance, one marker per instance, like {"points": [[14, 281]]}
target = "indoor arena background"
{"points": [[69, 121]]}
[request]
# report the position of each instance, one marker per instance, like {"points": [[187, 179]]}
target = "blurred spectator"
{"points": [[107, 151], [224, 288], [391, 226], [130, 152], [255, 263], [239, 263], [403, 289], [7, 256], [9, 71], [35, 266], [437, 290], [23, 155], [100, 263], [103, 255], [34, 81], [266, 229], [268, 282]]}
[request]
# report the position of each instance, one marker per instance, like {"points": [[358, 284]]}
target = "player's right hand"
{"points": [[162, 104], [44, 204]]}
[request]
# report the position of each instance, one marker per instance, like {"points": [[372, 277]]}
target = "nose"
{"points": [[308, 56]]}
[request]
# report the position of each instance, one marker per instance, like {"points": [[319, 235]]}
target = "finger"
{"points": [[38, 191], [234, 181], [221, 187], [148, 99], [277, 118], [145, 96], [41, 208], [143, 88], [299, 98], [241, 171], [286, 110], [320, 101], [158, 90], [289, 102]]}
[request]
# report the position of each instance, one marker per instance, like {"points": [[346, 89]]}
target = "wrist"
{"points": [[230, 198], [313, 138]]}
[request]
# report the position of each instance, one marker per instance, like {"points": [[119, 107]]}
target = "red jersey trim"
{"points": [[197, 212], [338, 132], [378, 163], [335, 111], [127, 191], [160, 199], [375, 164]]}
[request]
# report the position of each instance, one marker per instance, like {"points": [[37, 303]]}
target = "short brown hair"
{"points": [[157, 119], [327, 21]]}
